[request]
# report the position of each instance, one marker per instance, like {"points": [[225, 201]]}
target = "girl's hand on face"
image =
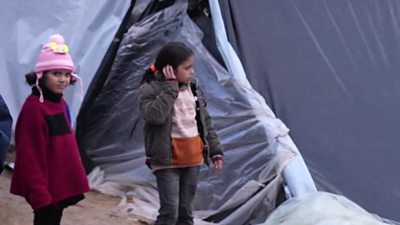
{"points": [[168, 72]]}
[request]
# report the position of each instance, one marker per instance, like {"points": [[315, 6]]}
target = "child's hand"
{"points": [[218, 164], [169, 73]]}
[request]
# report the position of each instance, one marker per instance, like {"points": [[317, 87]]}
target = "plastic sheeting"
{"points": [[5, 131], [296, 174], [87, 26], [329, 69], [255, 143], [324, 209]]}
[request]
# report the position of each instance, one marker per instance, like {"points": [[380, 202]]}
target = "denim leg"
{"points": [[168, 191], [187, 186]]}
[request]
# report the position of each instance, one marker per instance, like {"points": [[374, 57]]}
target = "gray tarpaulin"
{"points": [[296, 174], [255, 142], [330, 70], [88, 27]]}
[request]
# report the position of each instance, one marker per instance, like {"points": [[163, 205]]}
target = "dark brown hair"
{"points": [[173, 53], [31, 79]]}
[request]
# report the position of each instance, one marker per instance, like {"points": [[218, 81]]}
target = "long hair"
{"points": [[173, 54]]}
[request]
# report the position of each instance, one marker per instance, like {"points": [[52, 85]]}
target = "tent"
{"points": [[329, 70], [330, 81]]}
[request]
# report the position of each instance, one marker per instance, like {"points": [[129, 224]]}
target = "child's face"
{"points": [[58, 80], [185, 71]]}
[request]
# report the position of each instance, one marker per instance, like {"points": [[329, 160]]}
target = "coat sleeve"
{"points": [[156, 107], [31, 166], [212, 137]]}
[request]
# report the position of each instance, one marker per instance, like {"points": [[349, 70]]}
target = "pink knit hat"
{"points": [[55, 56]]}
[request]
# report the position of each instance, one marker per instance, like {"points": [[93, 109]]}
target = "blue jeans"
{"points": [[176, 189]]}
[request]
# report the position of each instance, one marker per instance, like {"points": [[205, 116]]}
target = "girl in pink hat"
{"points": [[48, 170]]}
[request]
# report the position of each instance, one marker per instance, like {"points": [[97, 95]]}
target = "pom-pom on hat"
{"points": [[55, 56]]}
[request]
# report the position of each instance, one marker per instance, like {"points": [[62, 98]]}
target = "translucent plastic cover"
{"points": [[254, 140]]}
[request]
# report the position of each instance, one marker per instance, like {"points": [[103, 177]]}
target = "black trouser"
{"points": [[50, 215]]}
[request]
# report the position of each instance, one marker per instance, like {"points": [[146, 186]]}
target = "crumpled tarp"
{"points": [[325, 209], [254, 141], [88, 28]]}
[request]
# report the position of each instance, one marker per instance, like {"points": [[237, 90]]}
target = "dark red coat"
{"points": [[48, 168]]}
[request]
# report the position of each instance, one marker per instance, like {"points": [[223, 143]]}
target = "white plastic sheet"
{"points": [[88, 27], [322, 209], [256, 150]]}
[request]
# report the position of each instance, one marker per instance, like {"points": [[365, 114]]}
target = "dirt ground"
{"points": [[95, 209]]}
